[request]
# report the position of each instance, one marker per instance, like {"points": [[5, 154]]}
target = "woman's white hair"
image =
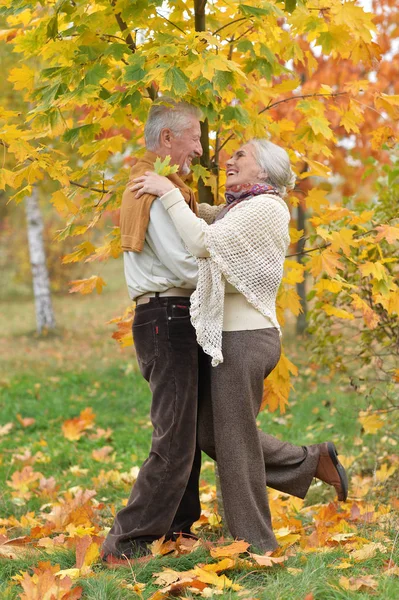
{"points": [[167, 113], [275, 163]]}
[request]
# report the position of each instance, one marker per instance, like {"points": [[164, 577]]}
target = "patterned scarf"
{"points": [[237, 193]]}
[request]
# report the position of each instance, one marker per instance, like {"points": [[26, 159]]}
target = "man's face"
{"points": [[186, 147]]}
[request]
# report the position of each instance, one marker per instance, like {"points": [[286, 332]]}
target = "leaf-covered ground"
{"points": [[74, 428]]}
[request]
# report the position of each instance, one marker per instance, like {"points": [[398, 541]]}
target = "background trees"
{"points": [[318, 80]]}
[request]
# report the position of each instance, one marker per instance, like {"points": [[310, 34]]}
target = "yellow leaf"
{"points": [[316, 169], [288, 299], [343, 240], [83, 250], [321, 125], [328, 285], [340, 313], [375, 269], [371, 422], [382, 135], [384, 472], [367, 551], [327, 261], [22, 78], [220, 582], [233, 549], [364, 584], [222, 565], [63, 204], [316, 199], [295, 234]]}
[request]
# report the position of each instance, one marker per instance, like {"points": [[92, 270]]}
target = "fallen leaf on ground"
{"points": [[25, 421], [266, 560], [362, 584], [233, 549]]}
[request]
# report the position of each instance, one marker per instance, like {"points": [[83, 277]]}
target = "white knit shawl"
{"points": [[247, 247]]}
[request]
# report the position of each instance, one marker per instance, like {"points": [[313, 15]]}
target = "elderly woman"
{"points": [[240, 249]]}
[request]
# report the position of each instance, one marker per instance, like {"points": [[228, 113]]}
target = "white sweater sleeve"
{"points": [[188, 225]]}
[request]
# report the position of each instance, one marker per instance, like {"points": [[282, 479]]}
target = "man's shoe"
{"points": [[330, 470]]}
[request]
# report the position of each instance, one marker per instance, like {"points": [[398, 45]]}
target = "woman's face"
{"points": [[242, 167]]}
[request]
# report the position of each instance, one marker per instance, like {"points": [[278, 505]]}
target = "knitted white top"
{"points": [[247, 248]]}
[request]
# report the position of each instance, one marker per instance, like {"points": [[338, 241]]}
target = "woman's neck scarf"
{"points": [[237, 193]]}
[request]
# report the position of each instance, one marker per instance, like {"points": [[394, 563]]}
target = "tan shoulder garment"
{"points": [[135, 212]]}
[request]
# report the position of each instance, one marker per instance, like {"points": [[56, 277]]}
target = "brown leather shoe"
{"points": [[330, 470]]}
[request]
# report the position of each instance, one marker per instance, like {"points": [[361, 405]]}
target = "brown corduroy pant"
{"points": [[248, 459]]}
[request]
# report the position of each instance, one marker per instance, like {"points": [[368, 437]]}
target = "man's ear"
{"points": [[166, 137]]}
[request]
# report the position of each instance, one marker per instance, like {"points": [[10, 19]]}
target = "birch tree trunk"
{"points": [[301, 322], [40, 278]]}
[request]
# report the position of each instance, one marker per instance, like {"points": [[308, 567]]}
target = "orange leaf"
{"points": [[25, 422], [266, 560], [45, 583], [160, 547], [102, 455], [233, 549], [73, 429], [86, 286]]}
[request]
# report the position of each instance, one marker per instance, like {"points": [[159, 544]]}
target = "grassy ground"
{"points": [[53, 379]]}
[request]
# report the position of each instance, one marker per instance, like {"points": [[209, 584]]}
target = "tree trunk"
{"points": [[204, 191], [301, 287], [40, 278]]}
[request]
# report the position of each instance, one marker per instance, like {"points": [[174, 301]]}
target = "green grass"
{"points": [[53, 378]]}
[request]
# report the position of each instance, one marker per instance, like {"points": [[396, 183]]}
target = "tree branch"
{"points": [[231, 23], [123, 27], [309, 251], [332, 95], [171, 22]]}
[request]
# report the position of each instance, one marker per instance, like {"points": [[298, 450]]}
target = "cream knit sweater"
{"points": [[247, 248]]}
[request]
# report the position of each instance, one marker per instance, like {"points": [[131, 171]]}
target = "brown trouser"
{"points": [[248, 459], [165, 497]]}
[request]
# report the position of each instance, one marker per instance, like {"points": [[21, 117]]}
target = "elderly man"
{"points": [[161, 275]]}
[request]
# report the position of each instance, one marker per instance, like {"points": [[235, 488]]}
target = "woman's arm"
{"points": [[188, 225]]}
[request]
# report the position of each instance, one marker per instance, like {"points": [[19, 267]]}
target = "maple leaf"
{"points": [[86, 286], [390, 233], [340, 313], [233, 549], [102, 454], [160, 547], [73, 429], [163, 167], [15, 548], [23, 482], [371, 422], [267, 560], [356, 584], [327, 261], [45, 583], [221, 582]]}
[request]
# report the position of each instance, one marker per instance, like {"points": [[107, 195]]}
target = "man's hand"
{"points": [[151, 183]]}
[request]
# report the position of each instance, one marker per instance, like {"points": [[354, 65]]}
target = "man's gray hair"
{"points": [[171, 114], [275, 162]]}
